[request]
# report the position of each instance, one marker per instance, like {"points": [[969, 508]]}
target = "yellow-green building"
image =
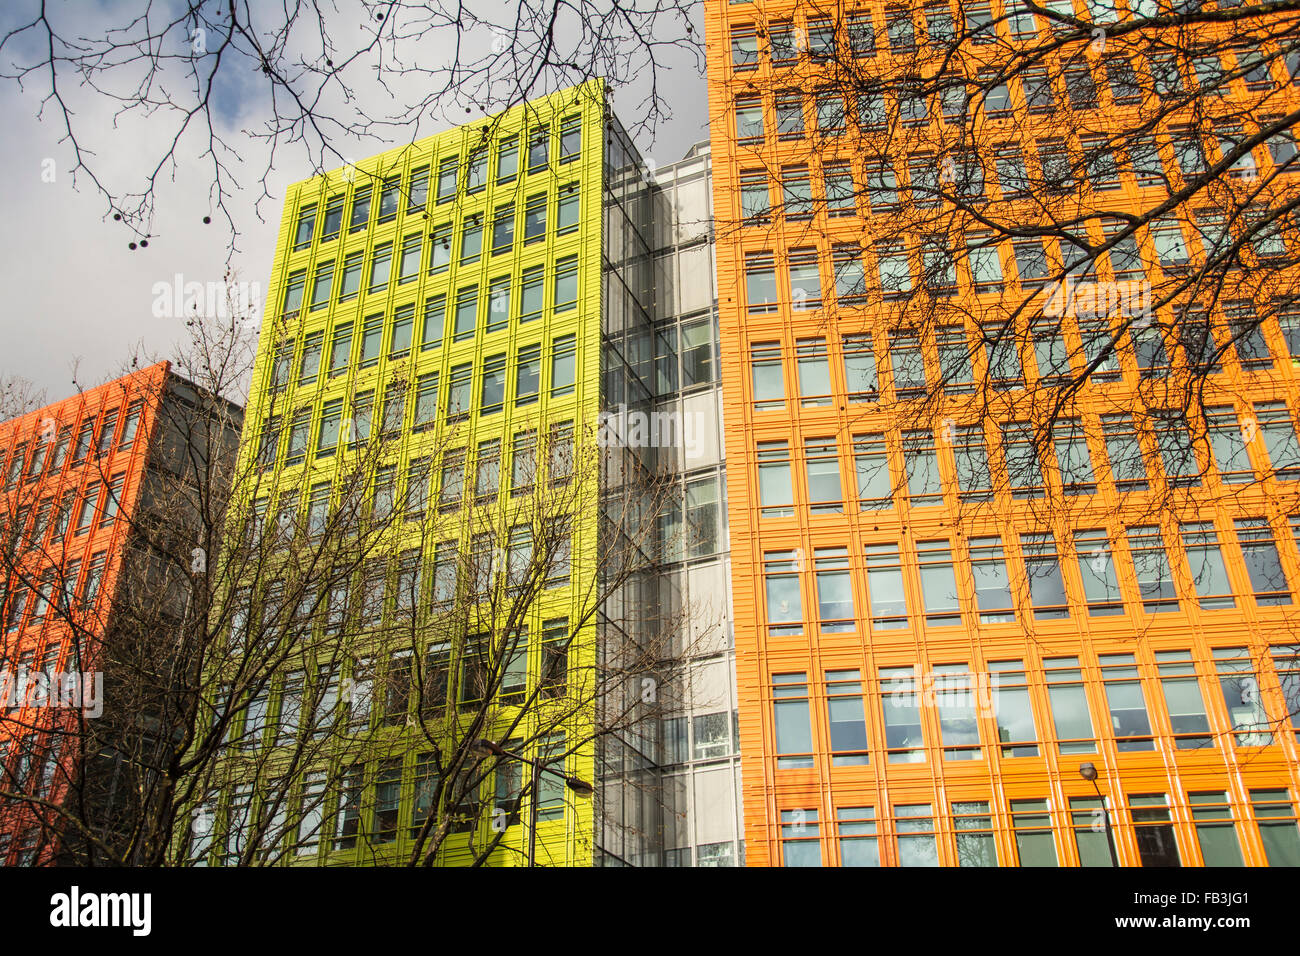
{"points": [[475, 299]]}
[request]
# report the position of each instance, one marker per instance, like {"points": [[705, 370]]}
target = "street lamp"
{"points": [[1088, 771], [579, 786]]}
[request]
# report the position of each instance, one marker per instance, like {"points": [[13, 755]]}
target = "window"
{"points": [[1097, 569], [1274, 424], [850, 281], [372, 337], [306, 226], [381, 267], [1176, 451], [1242, 696], [440, 250], [871, 465], [566, 284], [907, 363], [760, 282], [570, 139], [775, 492], [1153, 830], [1155, 583], [1247, 335], [1091, 837], [293, 293], [1068, 700], [938, 583], [471, 239], [793, 723], [553, 676], [419, 190], [1128, 712], [800, 838], [447, 172], [1031, 262], [860, 368], [531, 294], [814, 372], [528, 374], [749, 121], [976, 841], [523, 462], [885, 587], [834, 590], [89, 506], [1046, 587], [1183, 700], [426, 401], [781, 583], [563, 364], [503, 229], [1013, 177], [466, 318], [697, 352], [1072, 457], [974, 481], [900, 704], [768, 378], [539, 147], [1014, 713], [1286, 661], [408, 268], [917, 840], [1032, 824], [1205, 561], [1267, 579], [984, 260], [857, 836], [399, 343], [1050, 353], [388, 195], [702, 514], [1124, 451], [841, 193], [955, 701], [492, 388], [955, 369], [333, 223], [1039, 96], [567, 209], [1276, 818], [340, 349], [744, 48], [460, 392], [755, 200], [825, 493], [112, 502], [789, 116]]}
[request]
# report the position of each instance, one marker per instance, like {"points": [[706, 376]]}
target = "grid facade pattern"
{"points": [[925, 656], [71, 474], [449, 294]]}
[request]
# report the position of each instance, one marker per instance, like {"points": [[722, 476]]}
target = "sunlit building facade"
{"points": [[926, 661]]}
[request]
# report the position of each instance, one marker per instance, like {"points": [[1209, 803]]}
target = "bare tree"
{"points": [[317, 71], [1058, 251], [268, 662]]}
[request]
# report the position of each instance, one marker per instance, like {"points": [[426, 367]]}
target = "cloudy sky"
{"points": [[78, 300]]}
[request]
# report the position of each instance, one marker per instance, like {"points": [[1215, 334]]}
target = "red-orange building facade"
{"points": [[72, 474], [887, 719]]}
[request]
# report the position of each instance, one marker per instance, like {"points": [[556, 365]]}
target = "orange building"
{"points": [[930, 661], [72, 474]]}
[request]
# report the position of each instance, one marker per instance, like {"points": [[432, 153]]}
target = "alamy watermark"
{"points": [[222, 300], [74, 690], [1099, 299], [622, 427]]}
